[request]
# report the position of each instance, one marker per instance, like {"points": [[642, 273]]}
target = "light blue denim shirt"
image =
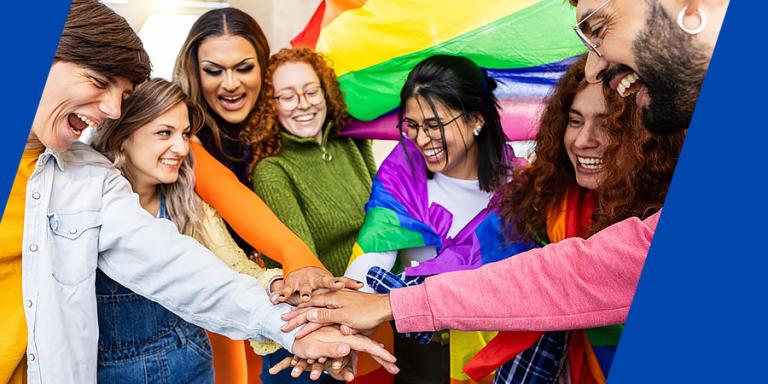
{"points": [[80, 214]]}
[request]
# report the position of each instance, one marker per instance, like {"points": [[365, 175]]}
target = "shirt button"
{"points": [[33, 247], [31, 357], [28, 303], [35, 195], [72, 231]]}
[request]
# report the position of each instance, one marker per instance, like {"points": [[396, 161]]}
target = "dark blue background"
{"points": [[30, 32], [698, 312]]}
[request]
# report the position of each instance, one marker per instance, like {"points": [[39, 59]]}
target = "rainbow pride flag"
{"points": [[373, 44]]}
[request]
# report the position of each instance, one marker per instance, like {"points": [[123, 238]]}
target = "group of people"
{"points": [[119, 255]]}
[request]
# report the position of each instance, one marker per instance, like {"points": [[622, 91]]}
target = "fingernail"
{"points": [[343, 349], [274, 298], [312, 315], [336, 365], [295, 371]]}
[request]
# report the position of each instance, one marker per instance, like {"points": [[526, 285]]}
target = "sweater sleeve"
{"points": [[271, 183], [248, 214], [366, 150], [575, 283]]}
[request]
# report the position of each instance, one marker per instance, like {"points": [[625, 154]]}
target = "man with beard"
{"points": [[658, 50]]}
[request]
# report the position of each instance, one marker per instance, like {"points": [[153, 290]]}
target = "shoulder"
{"points": [[81, 158]]}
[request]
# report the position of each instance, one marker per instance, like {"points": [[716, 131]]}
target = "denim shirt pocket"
{"points": [[75, 244]]}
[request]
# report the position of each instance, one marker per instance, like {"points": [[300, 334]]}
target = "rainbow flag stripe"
{"points": [[374, 44]]}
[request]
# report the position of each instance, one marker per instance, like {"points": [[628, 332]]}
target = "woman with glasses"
{"points": [[316, 182], [221, 67], [428, 197]]}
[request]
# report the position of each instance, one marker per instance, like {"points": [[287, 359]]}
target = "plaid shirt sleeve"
{"points": [[383, 281]]}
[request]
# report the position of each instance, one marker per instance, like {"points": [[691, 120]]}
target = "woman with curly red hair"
{"points": [[316, 182], [595, 165]]}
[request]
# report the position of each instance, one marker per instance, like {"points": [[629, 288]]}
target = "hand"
{"points": [[330, 343], [343, 369], [353, 309], [306, 280]]}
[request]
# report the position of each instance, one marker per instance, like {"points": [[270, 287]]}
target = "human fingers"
{"points": [[388, 366], [308, 328], [364, 344], [281, 365], [299, 368], [316, 371]]}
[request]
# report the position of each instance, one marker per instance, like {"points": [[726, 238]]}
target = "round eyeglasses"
{"points": [[430, 127], [291, 100]]}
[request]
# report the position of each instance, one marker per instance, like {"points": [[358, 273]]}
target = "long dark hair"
{"points": [[214, 23], [458, 83]]}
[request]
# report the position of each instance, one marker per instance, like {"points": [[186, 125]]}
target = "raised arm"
{"points": [[575, 283], [250, 217]]}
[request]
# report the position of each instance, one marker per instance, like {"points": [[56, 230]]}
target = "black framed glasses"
{"points": [[291, 100], [583, 37], [430, 127]]}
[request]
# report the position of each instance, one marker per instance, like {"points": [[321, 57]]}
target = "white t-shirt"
{"points": [[462, 198]]}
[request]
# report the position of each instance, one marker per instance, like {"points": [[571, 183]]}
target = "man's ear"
{"points": [[692, 6]]}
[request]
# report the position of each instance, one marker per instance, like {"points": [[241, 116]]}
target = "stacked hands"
{"points": [[335, 321]]}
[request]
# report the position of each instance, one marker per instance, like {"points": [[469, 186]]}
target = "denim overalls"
{"points": [[142, 342]]}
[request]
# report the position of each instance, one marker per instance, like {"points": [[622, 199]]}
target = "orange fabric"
{"points": [[250, 217], [13, 323], [592, 362], [234, 361], [578, 359], [368, 370], [254, 364], [229, 364]]}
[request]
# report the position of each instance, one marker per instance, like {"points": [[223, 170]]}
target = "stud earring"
{"points": [[476, 131]]}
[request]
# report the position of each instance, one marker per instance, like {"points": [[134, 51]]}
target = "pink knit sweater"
{"points": [[572, 284]]}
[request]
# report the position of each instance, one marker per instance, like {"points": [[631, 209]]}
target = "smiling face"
{"points": [[585, 139], [455, 153], [230, 76], [297, 85], [74, 98], [646, 54], [155, 151]]}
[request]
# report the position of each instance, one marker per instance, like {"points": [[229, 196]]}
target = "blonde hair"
{"points": [[150, 100]]}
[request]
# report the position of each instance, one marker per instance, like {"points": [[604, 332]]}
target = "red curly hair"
{"points": [[638, 165], [263, 131]]}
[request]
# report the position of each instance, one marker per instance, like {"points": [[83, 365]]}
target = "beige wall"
{"points": [[281, 20]]}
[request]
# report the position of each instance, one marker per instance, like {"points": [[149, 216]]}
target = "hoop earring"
{"points": [[692, 31], [476, 131]]}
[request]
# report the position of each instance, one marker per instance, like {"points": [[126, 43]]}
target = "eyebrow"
{"points": [[302, 87], [221, 66], [584, 24], [576, 111]]}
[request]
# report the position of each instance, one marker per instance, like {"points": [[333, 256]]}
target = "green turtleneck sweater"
{"points": [[319, 197]]}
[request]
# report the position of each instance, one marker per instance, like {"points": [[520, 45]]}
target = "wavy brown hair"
{"points": [[149, 101], [638, 165], [263, 131]]}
